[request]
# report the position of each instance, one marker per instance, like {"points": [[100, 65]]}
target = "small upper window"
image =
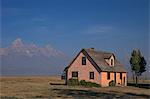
{"points": [[83, 60], [111, 62], [91, 75]]}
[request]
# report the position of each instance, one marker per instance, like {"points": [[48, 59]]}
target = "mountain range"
{"points": [[28, 59], [20, 58]]}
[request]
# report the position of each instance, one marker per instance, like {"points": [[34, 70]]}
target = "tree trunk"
{"points": [[133, 77], [136, 81]]}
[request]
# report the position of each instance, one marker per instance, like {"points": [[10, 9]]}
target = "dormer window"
{"points": [[83, 60], [112, 62], [110, 59]]}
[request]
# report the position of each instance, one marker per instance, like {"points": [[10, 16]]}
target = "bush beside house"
{"points": [[76, 82], [112, 83]]}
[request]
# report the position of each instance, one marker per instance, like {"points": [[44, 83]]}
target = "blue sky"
{"points": [[69, 25]]}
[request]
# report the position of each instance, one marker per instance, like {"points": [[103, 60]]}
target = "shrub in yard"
{"points": [[73, 82], [91, 84], [112, 83], [88, 84], [83, 83]]}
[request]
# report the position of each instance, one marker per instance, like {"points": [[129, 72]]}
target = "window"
{"points": [[111, 62], [74, 74], [120, 75], [91, 75], [83, 60], [108, 75]]}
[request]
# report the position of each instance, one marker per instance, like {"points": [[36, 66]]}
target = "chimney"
{"points": [[91, 49]]}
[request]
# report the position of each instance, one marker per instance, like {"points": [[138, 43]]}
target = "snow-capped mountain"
{"points": [[28, 59], [18, 47]]}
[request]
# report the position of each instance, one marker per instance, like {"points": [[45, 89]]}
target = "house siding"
{"points": [[105, 81], [121, 81], [83, 70]]}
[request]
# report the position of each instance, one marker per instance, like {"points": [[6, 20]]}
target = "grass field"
{"points": [[39, 87]]}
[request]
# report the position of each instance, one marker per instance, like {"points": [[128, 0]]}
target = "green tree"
{"points": [[138, 64], [142, 65]]}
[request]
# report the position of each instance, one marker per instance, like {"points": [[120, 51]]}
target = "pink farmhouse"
{"points": [[98, 67]]}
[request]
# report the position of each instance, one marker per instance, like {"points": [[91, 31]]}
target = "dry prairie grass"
{"points": [[39, 87], [26, 87], [140, 81]]}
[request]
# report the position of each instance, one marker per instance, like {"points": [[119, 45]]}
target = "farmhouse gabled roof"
{"points": [[97, 59]]}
